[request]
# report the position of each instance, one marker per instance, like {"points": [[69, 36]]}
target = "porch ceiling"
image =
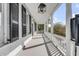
{"points": [[41, 18]]}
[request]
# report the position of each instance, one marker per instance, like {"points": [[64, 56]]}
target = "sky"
{"points": [[75, 9], [60, 14]]}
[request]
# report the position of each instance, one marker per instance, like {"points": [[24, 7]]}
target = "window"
{"points": [[59, 18], [23, 21], [14, 21]]}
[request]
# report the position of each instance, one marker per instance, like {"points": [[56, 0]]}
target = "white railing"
{"points": [[59, 41]]}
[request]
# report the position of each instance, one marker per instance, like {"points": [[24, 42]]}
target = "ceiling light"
{"points": [[42, 8]]}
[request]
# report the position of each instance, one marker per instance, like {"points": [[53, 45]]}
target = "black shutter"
{"points": [[30, 24], [23, 21], [14, 21]]}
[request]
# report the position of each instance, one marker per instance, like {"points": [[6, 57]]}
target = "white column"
{"points": [[47, 25], [2, 24], [52, 27], [20, 21], [5, 21], [44, 28], [33, 27], [28, 29], [68, 35]]}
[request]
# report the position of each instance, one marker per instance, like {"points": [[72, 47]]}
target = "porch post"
{"points": [[52, 27], [37, 28], [47, 25], [28, 29], [68, 35], [5, 21], [44, 27], [20, 22]]}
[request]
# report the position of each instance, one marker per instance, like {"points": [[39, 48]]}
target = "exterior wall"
{"points": [[7, 48]]}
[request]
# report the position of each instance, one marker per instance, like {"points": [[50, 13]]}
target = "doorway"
{"points": [[40, 28]]}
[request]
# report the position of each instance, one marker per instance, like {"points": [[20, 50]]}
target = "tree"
{"points": [[59, 29]]}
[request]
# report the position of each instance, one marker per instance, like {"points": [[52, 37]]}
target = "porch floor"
{"points": [[39, 46]]}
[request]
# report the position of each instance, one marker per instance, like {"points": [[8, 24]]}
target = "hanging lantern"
{"points": [[42, 8]]}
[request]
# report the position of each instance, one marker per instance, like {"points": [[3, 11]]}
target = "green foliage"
{"points": [[59, 29]]}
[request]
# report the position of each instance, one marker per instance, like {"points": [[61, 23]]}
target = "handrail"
{"points": [[54, 44], [58, 43]]}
